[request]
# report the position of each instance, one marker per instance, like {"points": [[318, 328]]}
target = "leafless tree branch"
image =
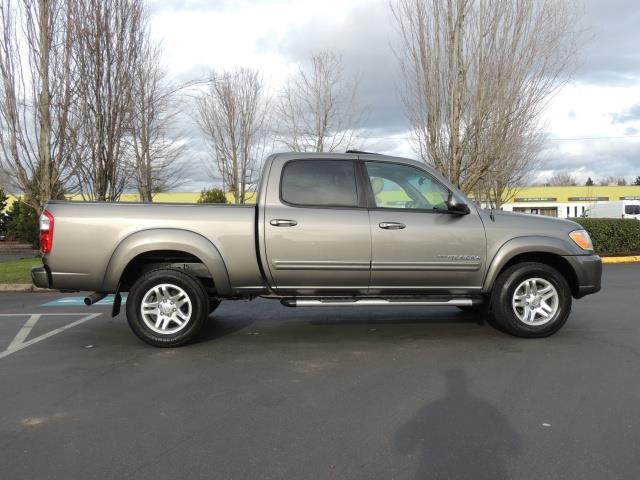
{"points": [[37, 92], [317, 109], [157, 161], [231, 115], [477, 74], [109, 36]]}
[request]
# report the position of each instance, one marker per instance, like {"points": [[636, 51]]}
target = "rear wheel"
{"points": [[530, 300], [167, 308]]}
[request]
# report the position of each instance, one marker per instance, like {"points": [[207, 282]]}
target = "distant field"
{"points": [[174, 197], [192, 197]]}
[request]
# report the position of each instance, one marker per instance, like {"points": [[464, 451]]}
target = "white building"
{"points": [[567, 202]]}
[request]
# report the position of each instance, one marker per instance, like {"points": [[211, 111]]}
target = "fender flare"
{"points": [[144, 241], [527, 244]]}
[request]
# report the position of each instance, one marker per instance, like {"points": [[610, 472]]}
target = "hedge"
{"points": [[613, 236]]}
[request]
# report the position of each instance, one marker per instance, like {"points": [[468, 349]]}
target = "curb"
{"points": [[629, 259], [20, 287]]}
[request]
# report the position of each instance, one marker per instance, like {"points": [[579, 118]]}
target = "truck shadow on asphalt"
{"points": [[217, 328], [320, 326], [460, 435], [383, 318]]}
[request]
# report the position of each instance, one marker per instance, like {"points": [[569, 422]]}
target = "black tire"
{"points": [[193, 289], [502, 310]]}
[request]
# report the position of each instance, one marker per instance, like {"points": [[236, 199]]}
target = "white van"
{"points": [[621, 209]]}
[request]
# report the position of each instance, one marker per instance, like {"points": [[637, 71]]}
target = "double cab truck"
{"points": [[351, 229]]}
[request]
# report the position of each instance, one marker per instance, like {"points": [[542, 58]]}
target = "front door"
{"points": [[417, 245], [317, 233]]}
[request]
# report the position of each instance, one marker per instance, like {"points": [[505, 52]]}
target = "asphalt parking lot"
{"points": [[277, 393]]}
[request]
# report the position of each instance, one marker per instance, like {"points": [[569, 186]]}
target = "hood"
{"points": [[523, 224]]}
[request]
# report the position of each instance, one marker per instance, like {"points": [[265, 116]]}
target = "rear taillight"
{"points": [[46, 232]]}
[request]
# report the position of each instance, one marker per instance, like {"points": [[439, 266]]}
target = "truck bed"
{"points": [[86, 235]]}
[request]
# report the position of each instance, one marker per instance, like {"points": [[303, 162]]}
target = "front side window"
{"points": [[320, 183], [402, 186]]}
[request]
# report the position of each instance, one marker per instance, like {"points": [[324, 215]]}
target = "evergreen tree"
{"points": [[589, 182], [3, 215], [22, 222], [212, 195]]}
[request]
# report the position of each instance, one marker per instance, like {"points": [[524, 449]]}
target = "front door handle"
{"points": [[279, 222], [392, 225]]}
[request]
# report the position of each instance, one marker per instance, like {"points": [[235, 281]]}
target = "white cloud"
{"points": [[271, 35]]}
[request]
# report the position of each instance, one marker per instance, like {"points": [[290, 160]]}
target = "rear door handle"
{"points": [[392, 225], [280, 222]]}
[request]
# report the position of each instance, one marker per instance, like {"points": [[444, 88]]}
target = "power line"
{"points": [[594, 138]]}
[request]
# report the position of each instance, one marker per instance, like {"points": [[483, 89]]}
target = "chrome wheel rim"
{"points": [[166, 309], [535, 301]]}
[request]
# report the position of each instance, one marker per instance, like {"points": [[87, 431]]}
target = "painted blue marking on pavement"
{"points": [[79, 301]]}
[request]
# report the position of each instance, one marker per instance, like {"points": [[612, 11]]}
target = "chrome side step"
{"points": [[377, 302]]}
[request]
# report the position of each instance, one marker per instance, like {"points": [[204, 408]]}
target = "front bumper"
{"points": [[588, 269], [40, 277]]}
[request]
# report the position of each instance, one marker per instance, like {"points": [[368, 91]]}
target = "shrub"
{"points": [[212, 195], [22, 223], [613, 236], [3, 199]]}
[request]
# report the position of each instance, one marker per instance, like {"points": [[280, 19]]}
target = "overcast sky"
{"points": [[593, 123]]}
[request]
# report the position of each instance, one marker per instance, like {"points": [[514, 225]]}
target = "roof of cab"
{"points": [[355, 154]]}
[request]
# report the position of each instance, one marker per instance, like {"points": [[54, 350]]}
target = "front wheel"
{"points": [[167, 308], [530, 300]]}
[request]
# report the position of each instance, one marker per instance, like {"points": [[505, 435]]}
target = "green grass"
{"points": [[18, 271]]}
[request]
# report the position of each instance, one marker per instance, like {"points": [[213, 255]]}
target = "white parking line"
{"points": [[18, 342], [24, 332]]}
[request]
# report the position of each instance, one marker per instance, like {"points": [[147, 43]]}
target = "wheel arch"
{"points": [[547, 250], [177, 241]]}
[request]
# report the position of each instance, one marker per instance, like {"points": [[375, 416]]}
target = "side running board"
{"points": [[378, 302]]}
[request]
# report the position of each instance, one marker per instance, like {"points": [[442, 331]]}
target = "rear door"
{"points": [[316, 227], [417, 245]]}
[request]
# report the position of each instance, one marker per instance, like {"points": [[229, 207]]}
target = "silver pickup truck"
{"points": [[354, 229]]}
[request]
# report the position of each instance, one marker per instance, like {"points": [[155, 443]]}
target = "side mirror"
{"points": [[454, 206]]}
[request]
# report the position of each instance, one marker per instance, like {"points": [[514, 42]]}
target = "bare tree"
{"points": [[109, 40], [4, 179], [562, 180], [37, 92], [611, 180], [317, 110], [510, 172], [477, 75], [606, 181], [156, 155], [231, 115]]}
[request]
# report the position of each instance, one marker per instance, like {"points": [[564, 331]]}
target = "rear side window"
{"points": [[319, 183]]}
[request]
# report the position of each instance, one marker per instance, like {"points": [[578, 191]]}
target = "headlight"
{"points": [[582, 239]]}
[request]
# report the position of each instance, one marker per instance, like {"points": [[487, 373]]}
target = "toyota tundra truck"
{"points": [[351, 229]]}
